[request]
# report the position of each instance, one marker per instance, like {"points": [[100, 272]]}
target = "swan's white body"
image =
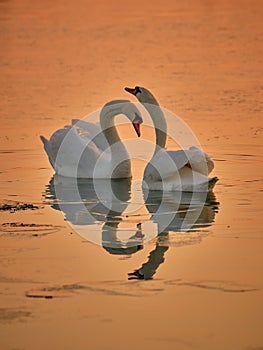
{"points": [[182, 170], [168, 170], [89, 150]]}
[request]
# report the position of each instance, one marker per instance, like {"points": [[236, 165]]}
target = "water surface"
{"points": [[202, 288]]}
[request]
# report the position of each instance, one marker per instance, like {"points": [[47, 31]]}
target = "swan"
{"points": [[89, 150], [168, 170]]}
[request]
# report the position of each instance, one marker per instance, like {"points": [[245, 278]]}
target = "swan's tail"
{"points": [[212, 182], [192, 181], [48, 150], [74, 121]]}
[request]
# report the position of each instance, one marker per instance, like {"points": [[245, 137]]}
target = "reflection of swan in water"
{"points": [[109, 236], [95, 209], [86, 201], [181, 211], [202, 208]]}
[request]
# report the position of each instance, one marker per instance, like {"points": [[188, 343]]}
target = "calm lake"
{"points": [[79, 272]]}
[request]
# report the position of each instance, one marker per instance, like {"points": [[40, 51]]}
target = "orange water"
{"points": [[203, 61]]}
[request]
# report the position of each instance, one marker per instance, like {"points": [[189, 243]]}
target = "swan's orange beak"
{"points": [[131, 90], [136, 125]]}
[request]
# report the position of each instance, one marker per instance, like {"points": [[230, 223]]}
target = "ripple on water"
{"points": [[219, 285], [135, 289], [12, 314]]}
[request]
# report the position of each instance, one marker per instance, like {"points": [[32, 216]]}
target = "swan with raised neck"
{"points": [[183, 170], [152, 106], [73, 155]]}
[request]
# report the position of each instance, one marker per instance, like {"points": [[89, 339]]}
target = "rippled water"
{"points": [[191, 284]]}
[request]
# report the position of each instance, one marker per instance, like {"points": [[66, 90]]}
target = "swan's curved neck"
{"points": [[159, 123], [120, 166], [107, 124]]}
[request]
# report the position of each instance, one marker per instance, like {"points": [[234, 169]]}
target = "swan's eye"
{"points": [[137, 90]]}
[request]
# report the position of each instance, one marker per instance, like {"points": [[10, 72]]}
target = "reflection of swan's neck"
{"points": [[159, 123]]}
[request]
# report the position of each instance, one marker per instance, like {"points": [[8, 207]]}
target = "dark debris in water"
{"points": [[19, 224], [43, 296], [16, 206], [20, 229]]}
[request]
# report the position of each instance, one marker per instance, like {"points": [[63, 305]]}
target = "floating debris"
{"points": [[28, 295], [16, 206], [20, 229]]}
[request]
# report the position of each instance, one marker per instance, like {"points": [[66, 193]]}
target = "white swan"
{"points": [[182, 170], [89, 150]]}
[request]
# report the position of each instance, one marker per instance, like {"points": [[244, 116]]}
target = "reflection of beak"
{"points": [[136, 126], [130, 90]]}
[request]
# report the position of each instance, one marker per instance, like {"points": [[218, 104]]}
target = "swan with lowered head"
{"points": [[88, 150], [168, 170]]}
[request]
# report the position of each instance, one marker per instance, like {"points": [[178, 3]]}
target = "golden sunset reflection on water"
{"points": [[63, 60]]}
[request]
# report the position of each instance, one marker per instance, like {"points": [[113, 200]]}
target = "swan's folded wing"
{"points": [[166, 163], [193, 158], [92, 131], [199, 161], [76, 155], [87, 126]]}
